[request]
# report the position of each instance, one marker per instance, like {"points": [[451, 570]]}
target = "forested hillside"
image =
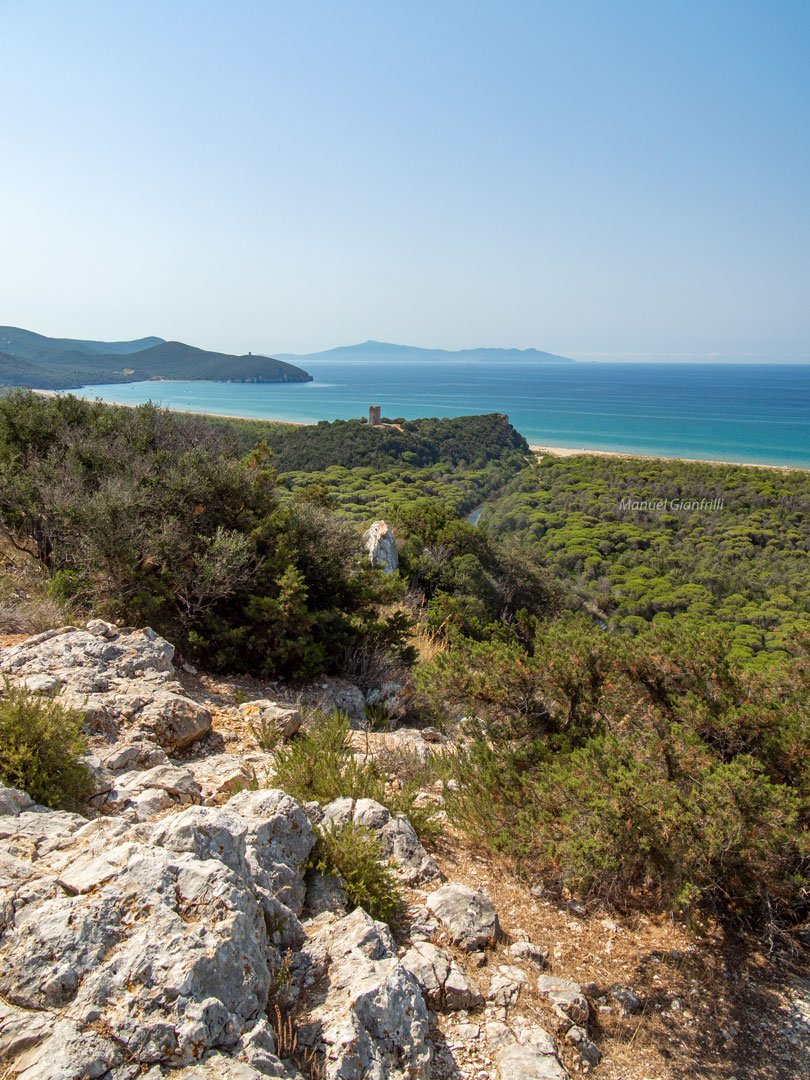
{"points": [[29, 359], [366, 472], [469, 441], [741, 562]]}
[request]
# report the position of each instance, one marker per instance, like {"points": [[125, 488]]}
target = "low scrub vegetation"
{"points": [[354, 856], [655, 768], [40, 749], [157, 518], [321, 765], [27, 605]]}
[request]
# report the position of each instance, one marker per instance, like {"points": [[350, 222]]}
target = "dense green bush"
{"points": [[550, 695], [354, 856], [40, 749], [473, 586], [154, 517], [320, 765], [657, 767]]}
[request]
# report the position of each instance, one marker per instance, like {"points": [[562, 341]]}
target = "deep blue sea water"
{"points": [[757, 413]]}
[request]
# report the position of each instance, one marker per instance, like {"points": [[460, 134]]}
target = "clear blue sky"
{"points": [[579, 176]]}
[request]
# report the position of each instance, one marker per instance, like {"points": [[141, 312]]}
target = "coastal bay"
{"points": [[755, 414]]}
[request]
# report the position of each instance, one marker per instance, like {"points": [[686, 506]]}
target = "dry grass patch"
{"points": [[427, 642], [26, 606]]}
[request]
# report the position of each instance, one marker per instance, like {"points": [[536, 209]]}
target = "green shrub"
{"points": [[320, 765], [353, 854], [40, 747], [149, 517], [532, 701], [666, 817], [266, 734], [657, 769]]}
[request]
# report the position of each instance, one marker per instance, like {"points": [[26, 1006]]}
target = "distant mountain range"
{"points": [[28, 359], [383, 350]]}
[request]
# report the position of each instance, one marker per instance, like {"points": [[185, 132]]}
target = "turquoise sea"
{"points": [[757, 413]]}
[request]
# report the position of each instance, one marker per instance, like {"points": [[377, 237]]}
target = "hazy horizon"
{"points": [[580, 357], [592, 180], [598, 357]]}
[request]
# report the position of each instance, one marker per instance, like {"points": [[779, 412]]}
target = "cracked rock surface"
{"points": [[123, 681], [443, 982], [156, 937], [158, 931], [467, 915]]}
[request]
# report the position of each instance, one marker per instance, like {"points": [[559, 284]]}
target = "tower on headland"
{"points": [[374, 415]]}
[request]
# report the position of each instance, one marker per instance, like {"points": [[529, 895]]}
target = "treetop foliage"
{"points": [[743, 564]]}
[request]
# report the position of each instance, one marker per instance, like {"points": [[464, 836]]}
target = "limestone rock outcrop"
{"points": [[159, 931], [122, 681], [381, 545], [370, 1017], [443, 982]]}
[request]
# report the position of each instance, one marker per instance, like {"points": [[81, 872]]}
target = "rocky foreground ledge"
{"points": [[176, 933]]}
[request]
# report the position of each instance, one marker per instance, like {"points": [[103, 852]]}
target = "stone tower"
{"points": [[374, 415]]}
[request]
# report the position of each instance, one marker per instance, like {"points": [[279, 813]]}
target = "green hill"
{"points": [[174, 360], [73, 371], [17, 372], [27, 345], [28, 359]]}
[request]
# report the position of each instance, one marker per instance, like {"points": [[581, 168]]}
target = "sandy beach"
{"points": [[570, 451]]}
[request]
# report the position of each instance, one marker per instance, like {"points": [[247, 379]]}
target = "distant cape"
{"points": [[45, 363], [380, 351]]}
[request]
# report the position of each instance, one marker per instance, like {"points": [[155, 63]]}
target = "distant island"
{"points": [[45, 363], [383, 350]]}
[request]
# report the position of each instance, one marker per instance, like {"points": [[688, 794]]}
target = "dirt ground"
{"points": [[714, 1007]]}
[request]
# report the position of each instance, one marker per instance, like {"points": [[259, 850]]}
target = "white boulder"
{"points": [[381, 545], [468, 915]]}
